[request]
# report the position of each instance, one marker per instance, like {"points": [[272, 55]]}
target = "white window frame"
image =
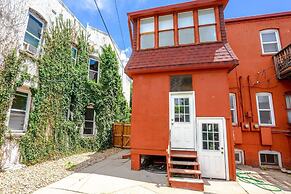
{"points": [[288, 109], [42, 30], [26, 118], [269, 95], [233, 95], [278, 42], [208, 25], [270, 152], [241, 156], [94, 125], [147, 33], [89, 70]]}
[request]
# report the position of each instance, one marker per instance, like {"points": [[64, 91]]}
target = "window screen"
{"points": [[269, 159], [18, 112], [181, 83]]}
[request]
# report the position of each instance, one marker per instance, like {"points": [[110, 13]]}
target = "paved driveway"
{"points": [[113, 175]]}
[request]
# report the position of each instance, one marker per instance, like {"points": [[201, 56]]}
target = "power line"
{"points": [[120, 27]]}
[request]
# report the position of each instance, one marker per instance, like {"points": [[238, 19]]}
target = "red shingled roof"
{"points": [[211, 55]]}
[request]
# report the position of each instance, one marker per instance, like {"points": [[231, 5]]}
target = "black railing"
{"points": [[282, 62]]}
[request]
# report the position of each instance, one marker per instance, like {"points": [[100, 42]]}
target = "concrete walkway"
{"points": [[113, 175]]}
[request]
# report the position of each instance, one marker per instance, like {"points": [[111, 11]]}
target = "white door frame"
{"points": [[224, 131], [194, 115]]}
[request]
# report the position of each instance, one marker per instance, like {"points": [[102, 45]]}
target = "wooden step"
{"points": [[185, 171], [192, 155], [185, 163], [187, 183]]}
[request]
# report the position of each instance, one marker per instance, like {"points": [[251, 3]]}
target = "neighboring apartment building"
{"points": [[40, 15], [260, 89]]}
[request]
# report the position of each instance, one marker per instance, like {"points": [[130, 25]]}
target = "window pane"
{"points": [[74, 53], [19, 101], [288, 101], [185, 19], [206, 16], [16, 121], [289, 116], [270, 47], [186, 36], [207, 34], [269, 37], [166, 22], [181, 83], [88, 131], [233, 116], [264, 102], [232, 101], [31, 40], [93, 75], [89, 115], [237, 157], [147, 25], [147, 41], [93, 64], [166, 38], [34, 26], [265, 117]]}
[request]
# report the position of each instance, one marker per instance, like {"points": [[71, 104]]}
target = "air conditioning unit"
{"points": [[29, 48]]}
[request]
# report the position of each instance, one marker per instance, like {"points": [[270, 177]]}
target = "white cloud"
{"points": [[125, 54]]}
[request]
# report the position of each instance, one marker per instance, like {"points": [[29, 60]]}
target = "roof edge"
{"points": [[258, 17]]}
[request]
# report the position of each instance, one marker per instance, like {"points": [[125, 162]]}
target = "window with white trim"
{"points": [[89, 126], [239, 156], [93, 69], [186, 28], [270, 41], [207, 25], [233, 110], [147, 33], [265, 109], [33, 31], [166, 31], [270, 158], [18, 112], [74, 54], [288, 107]]}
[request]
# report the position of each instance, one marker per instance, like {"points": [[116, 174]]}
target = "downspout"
{"points": [[241, 98], [250, 96]]}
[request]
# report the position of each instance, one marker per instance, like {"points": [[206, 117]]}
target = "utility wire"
{"points": [[120, 27], [103, 21]]}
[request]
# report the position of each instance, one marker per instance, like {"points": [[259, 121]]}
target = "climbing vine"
{"points": [[63, 93]]}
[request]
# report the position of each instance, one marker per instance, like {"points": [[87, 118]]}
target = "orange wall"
{"points": [[150, 113], [244, 38]]}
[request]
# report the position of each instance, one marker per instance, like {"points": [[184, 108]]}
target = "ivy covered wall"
{"points": [[63, 93]]}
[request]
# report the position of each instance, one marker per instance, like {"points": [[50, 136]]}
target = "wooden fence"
{"points": [[121, 135]]}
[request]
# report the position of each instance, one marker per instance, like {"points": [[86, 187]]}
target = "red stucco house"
{"points": [[209, 92]]}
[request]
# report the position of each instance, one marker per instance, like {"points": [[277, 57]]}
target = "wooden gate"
{"points": [[121, 135]]}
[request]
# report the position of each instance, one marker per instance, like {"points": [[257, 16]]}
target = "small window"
{"points": [[265, 109], [89, 121], [270, 41], [182, 110], [288, 107], [186, 28], [181, 83], [18, 112], [270, 158], [74, 54], [166, 30], [232, 99], [33, 31], [239, 156], [210, 136], [93, 69], [147, 33], [207, 25]]}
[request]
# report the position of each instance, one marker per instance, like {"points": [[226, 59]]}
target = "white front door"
{"points": [[211, 147], [182, 119]]}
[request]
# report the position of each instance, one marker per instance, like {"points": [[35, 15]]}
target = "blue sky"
{"points": [[86, 11]]}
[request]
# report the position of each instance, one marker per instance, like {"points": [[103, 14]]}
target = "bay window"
{"points": [[186, 28], [207, 25], [147, 33], [265, 109], [166, 31]]}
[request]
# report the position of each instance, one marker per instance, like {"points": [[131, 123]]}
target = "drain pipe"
{"points": [[250, 97], [241, 98]]}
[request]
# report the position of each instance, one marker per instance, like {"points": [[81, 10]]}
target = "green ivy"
{"points": [[63, 86]]}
